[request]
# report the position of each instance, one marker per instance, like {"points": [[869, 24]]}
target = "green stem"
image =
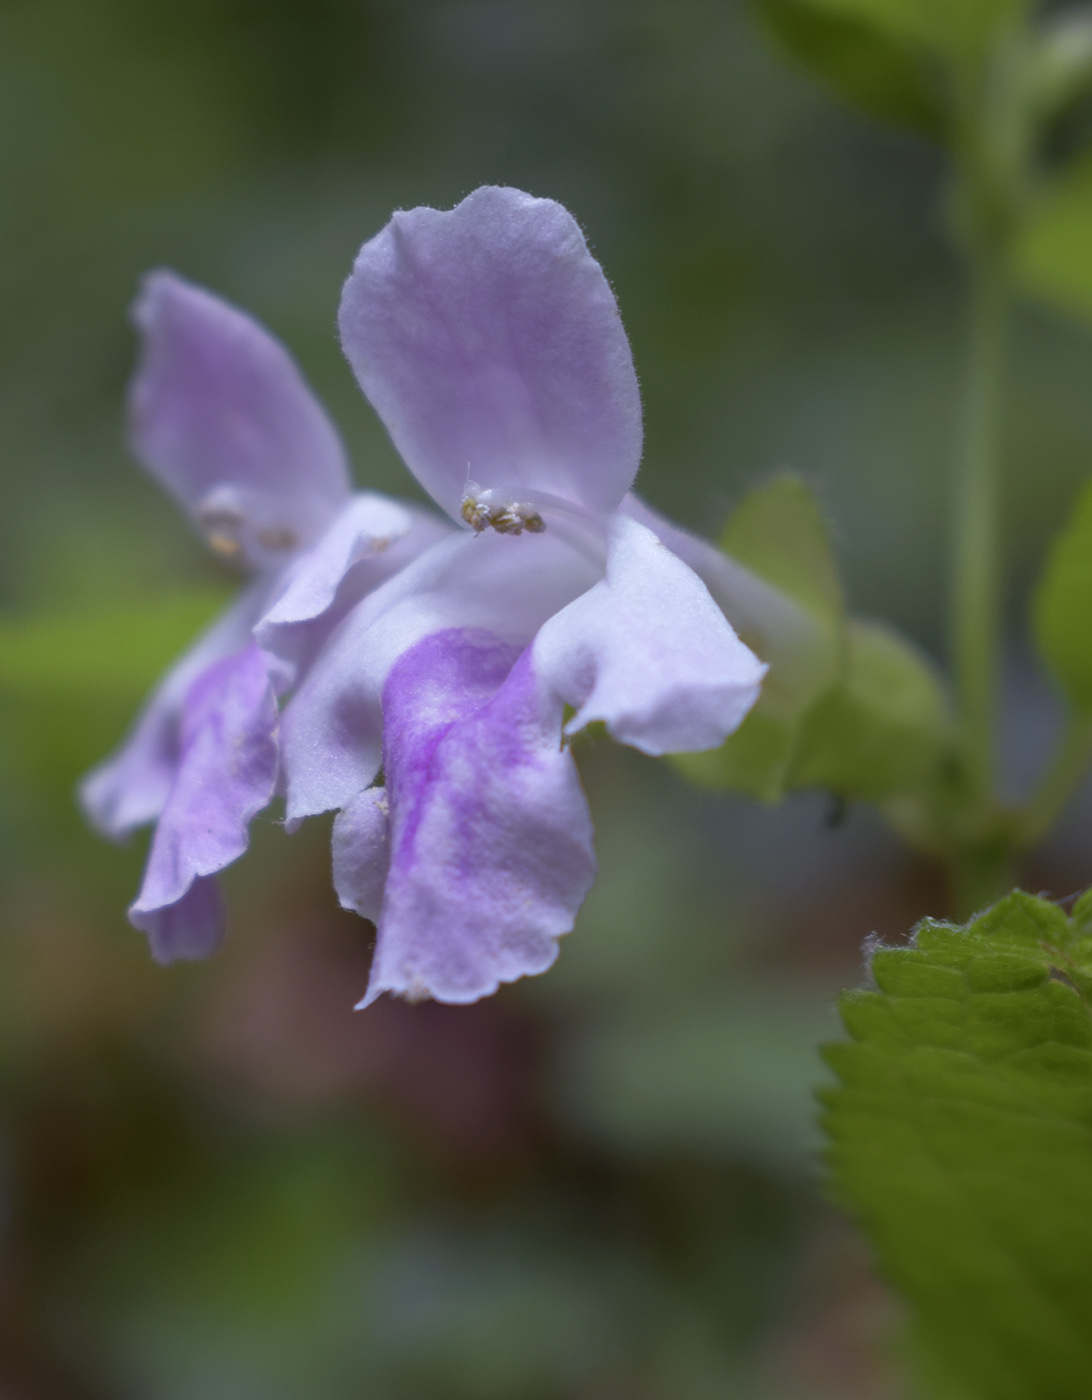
{"points": [[979, 875], [1066, 769], [976, 564]]}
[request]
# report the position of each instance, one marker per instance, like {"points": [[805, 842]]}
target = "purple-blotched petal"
{"points": [[332, 726], [131, 787], [491, 842], [221, 415], [190, 929], [227, 773], [369, 542], [362, 853], [648, 652], [490, 344]]}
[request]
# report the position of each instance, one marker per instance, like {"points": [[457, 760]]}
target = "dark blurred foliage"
{"points": [[601, 1184]]}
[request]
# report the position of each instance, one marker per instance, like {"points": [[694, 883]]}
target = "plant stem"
{"points": [[976, 565], [979, 876], [1057, 784]]}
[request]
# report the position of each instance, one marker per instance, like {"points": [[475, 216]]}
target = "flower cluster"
{"points": [[409, 672]]}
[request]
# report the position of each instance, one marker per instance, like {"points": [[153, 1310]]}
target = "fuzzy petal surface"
{"points": [[783, 632], [371, 540], [333, 725], [362, 853], [648, 652], [131, 787], [489, 342], [227, 773], [491, 842], [188, 930], [222, 417], [367, 526]]}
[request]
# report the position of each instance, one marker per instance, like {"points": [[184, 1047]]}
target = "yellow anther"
{"points": [[225, 546], [512, 518]]}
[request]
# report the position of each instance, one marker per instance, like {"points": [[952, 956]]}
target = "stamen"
{"points": [[220, 517], [500, 508], [224, 546], [227, 518], [509, 518], [223, 526], [475, 513], [278, 539]]}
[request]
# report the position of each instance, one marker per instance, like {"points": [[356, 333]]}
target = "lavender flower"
{"points": [[489, 342], [221, 416]]}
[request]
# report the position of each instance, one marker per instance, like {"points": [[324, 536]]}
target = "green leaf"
{"points": [[108, 651], [958, 29], [781, 592], [1051, 259], [885, 730], [960, 1136], [1063, 605], [753, 760], [846, 705], [779, 533], [859, 62]]}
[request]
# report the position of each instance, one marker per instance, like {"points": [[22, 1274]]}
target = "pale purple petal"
{"points": [[131, 787], [795, 647], [371, 540], [490, 344], [367, 526], [747, 600], [362, 853], [221, 415], [190, 929], [332, 727], [648, 652], [491, 843], [226, 773]]}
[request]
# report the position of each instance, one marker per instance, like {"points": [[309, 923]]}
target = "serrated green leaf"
{"points": [[1063, 604], [884, 730], [1051, 258], [106, 651], [1082, 913], [961, 1138], [859, 62], [786, 604]]}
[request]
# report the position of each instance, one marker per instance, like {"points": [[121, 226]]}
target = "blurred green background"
{"points": [[218, 1180]]}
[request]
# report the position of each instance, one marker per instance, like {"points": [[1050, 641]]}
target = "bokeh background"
{"points": [[603, 1184]]}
